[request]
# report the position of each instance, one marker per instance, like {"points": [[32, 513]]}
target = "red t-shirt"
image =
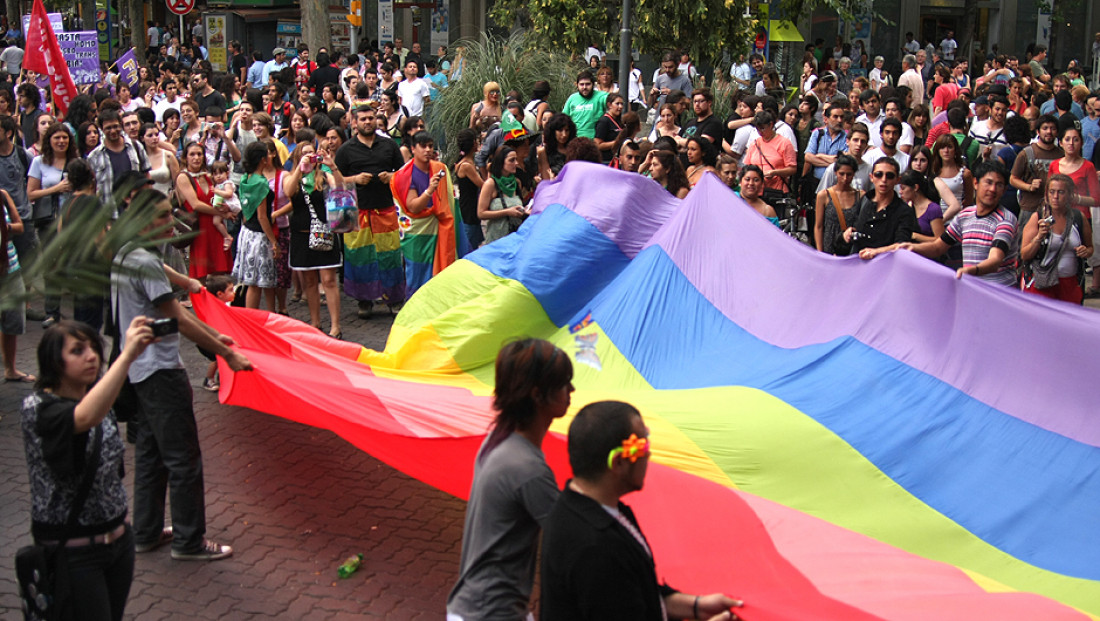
{"points": [[1084, 181]]}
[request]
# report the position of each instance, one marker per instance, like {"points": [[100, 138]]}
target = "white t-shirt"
{"points": [[689, 70], [781, 128], [742, 137], [907, 135], [154, 36], [949, 46], [875, 127], [412, 94], [912, 47], [879, 78], [160, 108], [13, 57], [901, 157], [590, 52], [636, 86], [980, 131]]}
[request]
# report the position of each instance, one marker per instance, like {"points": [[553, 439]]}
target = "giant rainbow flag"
{"points": [[833, 439]]}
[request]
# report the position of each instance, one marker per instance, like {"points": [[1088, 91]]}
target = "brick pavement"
{"points": [[292, 500]]}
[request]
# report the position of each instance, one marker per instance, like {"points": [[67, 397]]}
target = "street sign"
{"points": [[181, 7]]}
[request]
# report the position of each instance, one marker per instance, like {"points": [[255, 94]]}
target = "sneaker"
{"points": [[165, 537], [211, 384], [49, 321], [210, 551]]}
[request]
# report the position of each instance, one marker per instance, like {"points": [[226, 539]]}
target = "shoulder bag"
{"points": [[321, 237], [841, 248], [1039, 272], [44, 590]]}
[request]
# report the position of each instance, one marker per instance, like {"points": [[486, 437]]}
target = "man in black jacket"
{"points": [[596, 563]]}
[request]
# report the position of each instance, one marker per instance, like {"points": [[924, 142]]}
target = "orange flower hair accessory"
{"points": [[632, 448]]}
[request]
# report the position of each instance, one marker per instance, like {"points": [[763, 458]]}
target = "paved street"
{"points": [[293, 501]]}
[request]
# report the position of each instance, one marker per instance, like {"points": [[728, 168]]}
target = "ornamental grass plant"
{"points": [[516, 63]]}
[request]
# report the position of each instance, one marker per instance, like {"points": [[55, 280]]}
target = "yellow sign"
{"points": [[355, 13], [216, 43]]}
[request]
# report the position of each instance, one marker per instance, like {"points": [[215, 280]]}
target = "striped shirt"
{"points": [[979, 234]]}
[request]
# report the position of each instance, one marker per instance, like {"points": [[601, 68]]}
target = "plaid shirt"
{"points": [[104, 174]]}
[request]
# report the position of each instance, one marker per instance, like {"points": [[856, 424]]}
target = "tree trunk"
{"points": [[15, 18], [966, 36], [315, 26], [88, 14], [137, 28]]}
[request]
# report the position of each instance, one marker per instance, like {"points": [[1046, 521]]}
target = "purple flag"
{"points": [[128, 71]]}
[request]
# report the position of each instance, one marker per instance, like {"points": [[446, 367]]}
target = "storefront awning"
{"points": [[267, 15], [783, 30]]}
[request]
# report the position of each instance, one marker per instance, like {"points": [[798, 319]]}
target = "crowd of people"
{"points": [[992, 174]]}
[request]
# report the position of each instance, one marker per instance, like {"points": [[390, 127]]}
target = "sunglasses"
{"points": [[890, 176]]}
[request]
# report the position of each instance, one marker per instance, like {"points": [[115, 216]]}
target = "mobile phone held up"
{"points": [[165, 327]]}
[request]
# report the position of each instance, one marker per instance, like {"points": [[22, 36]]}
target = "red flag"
{"points": [[43, 55]]}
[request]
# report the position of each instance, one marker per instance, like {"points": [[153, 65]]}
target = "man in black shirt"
{"points": [[704, 123], [596, 562], [204, 93], [239, 64], [324, 74], [373, 270]]}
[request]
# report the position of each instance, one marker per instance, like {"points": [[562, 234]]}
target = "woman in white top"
{"points": [[951, 178], [164, 167]]}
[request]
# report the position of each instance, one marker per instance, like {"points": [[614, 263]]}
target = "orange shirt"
{"points": [[772, 155]]}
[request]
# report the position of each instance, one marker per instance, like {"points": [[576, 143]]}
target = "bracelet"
{"points": [[695, 608]]}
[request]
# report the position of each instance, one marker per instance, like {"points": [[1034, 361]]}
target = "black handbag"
{"points": [[43, 588]]}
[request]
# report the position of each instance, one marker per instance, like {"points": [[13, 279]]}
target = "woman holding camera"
{"points": [[1058, 237], [311, 174], [72, 441]]}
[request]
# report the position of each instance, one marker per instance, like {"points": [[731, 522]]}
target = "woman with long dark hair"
{"points": [[609, 126], [469, 183], [258, 244], [701, 156], [513, 488], [305, 185], [557, 133], [500, 202], [68, 427], [665, 169], [81, 110], [87, 138], [195, 190], [836, 206]]}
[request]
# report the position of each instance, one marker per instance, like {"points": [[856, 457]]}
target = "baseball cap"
{"points": [[278, 51], [828, 76]]}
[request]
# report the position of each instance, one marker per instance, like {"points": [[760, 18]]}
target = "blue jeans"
{"points": [[100, 577], [167, 458], [474, 234]]}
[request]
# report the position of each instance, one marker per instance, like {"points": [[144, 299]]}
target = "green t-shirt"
{"points": [[585, 112]]}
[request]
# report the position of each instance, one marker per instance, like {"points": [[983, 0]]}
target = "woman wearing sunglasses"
{"points": [[884, 219]]}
